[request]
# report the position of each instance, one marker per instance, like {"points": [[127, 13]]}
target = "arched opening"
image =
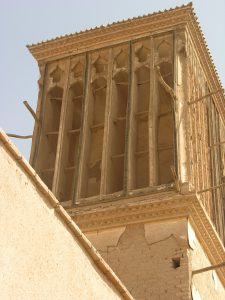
{"points": [[52, 113], [96, 120]]}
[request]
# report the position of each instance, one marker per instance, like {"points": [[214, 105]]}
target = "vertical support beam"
{"points": [[83, 133], [128, 123], [130, 116], [106, 126], [152, 120], [77, 158], [39, 113], [180, 88], [61, 129], [175, 108]]}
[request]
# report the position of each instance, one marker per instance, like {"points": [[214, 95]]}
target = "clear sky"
{"points": [[25, 22]]}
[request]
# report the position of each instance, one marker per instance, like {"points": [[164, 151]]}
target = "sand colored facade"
{"points": [[130, 109], [42, 256], [203, 285], [151, 258], [156, 260], [130, 138]]}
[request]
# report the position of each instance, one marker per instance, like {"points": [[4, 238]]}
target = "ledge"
{"points": [[153, 208]]}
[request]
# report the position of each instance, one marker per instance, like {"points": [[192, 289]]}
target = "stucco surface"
{"points": [[143, 255], [39, 257], [207, 285]]}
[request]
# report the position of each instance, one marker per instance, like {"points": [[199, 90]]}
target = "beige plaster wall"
{"points": [[142, 256], [39, 257], [207, 285]]}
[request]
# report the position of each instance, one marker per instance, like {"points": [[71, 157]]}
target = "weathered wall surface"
{"points": [[39, 257], [207, 285], [151, 259]]}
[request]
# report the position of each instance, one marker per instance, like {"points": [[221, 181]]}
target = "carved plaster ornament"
{"points": [[164, 50], [76, 71], [100, 65], [41, 78], [56, 77], [98, 82], [121, 59], [121, 75], [181, 43], [143, 53], [118, 71]]}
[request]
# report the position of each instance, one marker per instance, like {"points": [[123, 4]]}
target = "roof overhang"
{"points": [[112, 34], [135, 28]]}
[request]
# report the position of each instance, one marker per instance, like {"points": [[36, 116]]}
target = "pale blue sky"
{"points": [[24, 22]]}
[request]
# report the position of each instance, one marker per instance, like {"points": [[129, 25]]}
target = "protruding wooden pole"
{"points": [[222, 265], [19, 136], [31, 111]]}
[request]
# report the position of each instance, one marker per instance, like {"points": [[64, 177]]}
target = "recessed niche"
{"points": [[49, 137], [94, 137], [115, 167], [140, 133]]}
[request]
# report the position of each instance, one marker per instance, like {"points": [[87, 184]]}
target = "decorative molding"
{"points": [[153, 208], [121, 32], [111, 34]]}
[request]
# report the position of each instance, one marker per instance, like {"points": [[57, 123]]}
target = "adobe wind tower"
{"points": [[130, 139]]}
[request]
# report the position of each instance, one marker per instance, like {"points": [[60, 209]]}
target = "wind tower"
{"points": [[130, 139]]}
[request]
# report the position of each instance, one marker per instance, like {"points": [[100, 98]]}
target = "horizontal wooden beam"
{"points": [[222, 265], [217, 144], [19, 136], [211, 188], [206, 96]]}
